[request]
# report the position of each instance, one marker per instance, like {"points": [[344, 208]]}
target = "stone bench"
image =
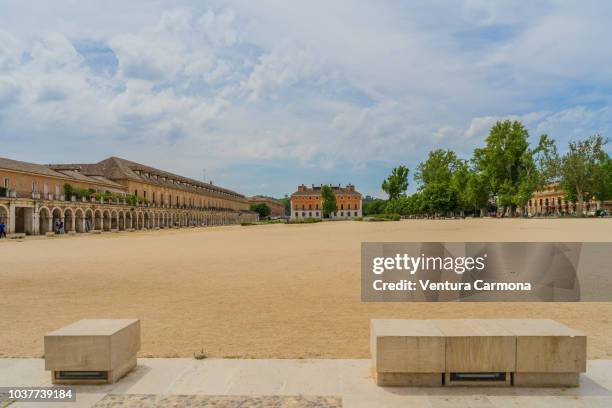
{"points": [[476, 352], [92, 351]]}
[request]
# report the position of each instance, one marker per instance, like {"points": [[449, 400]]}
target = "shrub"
{"points": [[200, 355], [246, 223], [383, 217], [308, 220], [358, 219]]}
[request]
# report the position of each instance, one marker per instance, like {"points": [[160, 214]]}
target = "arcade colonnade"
{"points": [[33, 217]]}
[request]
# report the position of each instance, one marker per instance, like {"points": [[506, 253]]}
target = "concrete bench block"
{"points": [[477, 352], [548, 353], [407, 352], [92, 351], [478, 346]]}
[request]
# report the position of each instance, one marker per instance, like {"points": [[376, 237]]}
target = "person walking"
{"points": [[2, 230]]}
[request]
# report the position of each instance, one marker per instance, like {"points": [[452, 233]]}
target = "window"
{"points": [[6, 182], [144, 194], [310, 206], [57, 190], [317, 207], [355, 213], [317, 213], [303, 207], [34, 187], [342, 206], [303, 214], [154, 197], [310, 214], [342, 213], [349, 206], [46, 189], [136, 193]]}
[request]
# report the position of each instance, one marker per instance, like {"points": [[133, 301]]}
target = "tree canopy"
{"points": [[585, 171], [329, 201], [397, 183], [262, 209]]}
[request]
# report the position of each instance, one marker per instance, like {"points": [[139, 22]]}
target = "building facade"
{"points": [[551, 201], [277, 209], [307, 202], [119, 195]]}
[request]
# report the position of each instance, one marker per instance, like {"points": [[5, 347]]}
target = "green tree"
{"points": [[435, 177], [581, 168], [374, 207], [602, 183], [329, 201], [397, 183], [286, 201], [459, 185], [477, 192], [262, 209], [513, 170]]}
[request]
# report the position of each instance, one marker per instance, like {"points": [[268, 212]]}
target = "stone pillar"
{"points": [[35, 221], [11, 219]]}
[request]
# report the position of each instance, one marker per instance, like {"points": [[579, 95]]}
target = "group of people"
{"points": [[59, 227]]}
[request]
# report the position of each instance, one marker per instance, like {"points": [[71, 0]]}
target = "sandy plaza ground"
{"points": [[266, 291]]}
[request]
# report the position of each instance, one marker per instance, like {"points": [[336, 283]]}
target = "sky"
{"points": [[263, 96]]}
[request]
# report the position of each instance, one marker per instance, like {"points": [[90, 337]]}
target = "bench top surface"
{"points": [[538, 327], [93, 327], [405, 328], [470, 327]]}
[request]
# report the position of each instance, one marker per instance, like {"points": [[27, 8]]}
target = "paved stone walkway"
{"points": [[182, 382]]}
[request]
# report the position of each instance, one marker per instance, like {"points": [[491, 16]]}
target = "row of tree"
{"points": [[503, 174]]}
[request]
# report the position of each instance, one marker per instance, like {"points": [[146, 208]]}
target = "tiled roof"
{"points": [[17, 165], [317, 190], [115, 168]]}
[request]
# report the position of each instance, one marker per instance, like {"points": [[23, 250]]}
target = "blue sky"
{"points": [[263, 96]]}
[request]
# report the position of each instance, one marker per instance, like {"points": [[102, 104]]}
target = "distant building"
{"points": [[307, 202], [277, 208], [115, 195], [551, 201]]}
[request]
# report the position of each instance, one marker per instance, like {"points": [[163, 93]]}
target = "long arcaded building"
{"points": [[112, 195]]}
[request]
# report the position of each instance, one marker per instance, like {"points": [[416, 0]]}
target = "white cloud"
{"points": [[315, 83]]}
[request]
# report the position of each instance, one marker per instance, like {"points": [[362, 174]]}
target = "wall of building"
{"points": [[551, 201], [307, 202], [155, 193], [23, 183]]}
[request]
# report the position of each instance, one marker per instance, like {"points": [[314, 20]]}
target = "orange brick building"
{"points": [[307, 202]]}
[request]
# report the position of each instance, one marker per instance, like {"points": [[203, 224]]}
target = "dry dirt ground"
{"points": [[277, 291]]}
